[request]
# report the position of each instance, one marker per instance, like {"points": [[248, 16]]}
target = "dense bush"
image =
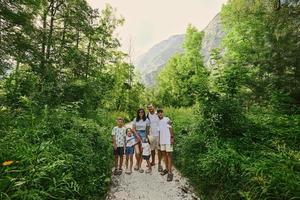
{"points": [[55, 154], [222, 115], [260, 163]]}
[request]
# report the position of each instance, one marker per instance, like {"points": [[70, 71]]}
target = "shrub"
{"points": [[56, 155], [261, 163]]}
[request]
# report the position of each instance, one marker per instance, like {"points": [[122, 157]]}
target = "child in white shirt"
{"points": [[130, 142], [146, 154]]}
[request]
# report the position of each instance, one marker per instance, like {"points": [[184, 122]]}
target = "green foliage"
{"points": [[184, 76], [66, 84], [241, 140], [222, 115], [263, 163], [16, 25], [262, 46], [56, 154], [127, 94], [70, 56]]}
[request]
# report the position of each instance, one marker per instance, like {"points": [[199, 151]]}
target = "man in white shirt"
{"points": [[154, 132], [166, 140]]}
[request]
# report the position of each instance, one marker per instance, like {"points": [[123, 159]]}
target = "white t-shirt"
{"points": [[146, 149], [130, 141], [164, 131], [141, 124], [154, 120], [119, 134]]}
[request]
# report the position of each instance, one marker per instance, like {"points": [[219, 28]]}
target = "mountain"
{"points": [[213, 35], [152, 62]]}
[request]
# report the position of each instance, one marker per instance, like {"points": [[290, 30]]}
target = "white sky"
{"points": [[148, 22]]}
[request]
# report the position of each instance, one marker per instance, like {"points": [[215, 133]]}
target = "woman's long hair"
{"points": [[138, 118]]}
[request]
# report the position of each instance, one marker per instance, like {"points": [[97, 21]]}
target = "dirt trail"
{"points": [[149, 186]]}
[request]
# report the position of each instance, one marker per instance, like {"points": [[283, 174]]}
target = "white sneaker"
{"points": [[127, 171]]}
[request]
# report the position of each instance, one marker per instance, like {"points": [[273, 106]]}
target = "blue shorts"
{"points": [[129, 150], [146, 157], [119, 151], [142, 134]]}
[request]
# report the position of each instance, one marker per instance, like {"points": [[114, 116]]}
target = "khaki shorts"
{"points": [[154, 144], [166, 147]]}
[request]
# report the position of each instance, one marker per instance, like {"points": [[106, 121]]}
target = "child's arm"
{"points": [[125, 143], [171, 134], [134, 132], [114, 142], [159, 138], [137, 136]]}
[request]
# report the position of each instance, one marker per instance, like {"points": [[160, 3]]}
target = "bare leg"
{"points": [[131, 162], [159, 155], [141, 158], [121, 162], [163, 156], [127, 157], [153, 156], [116, 161], [169, 162], [149, 165], [137, 155]]}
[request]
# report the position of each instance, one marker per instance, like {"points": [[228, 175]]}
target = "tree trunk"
{"points": [[44, 38], [51, 27], [88, 56]]}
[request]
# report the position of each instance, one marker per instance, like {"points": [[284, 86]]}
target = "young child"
{"points": [[130, 142], [119, 136], [146, 154]]}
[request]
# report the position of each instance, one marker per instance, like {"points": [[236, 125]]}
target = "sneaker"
{"points": [[127, 171], [120, 172], [170, 177], [148, 171], [116, 172], [164, 172], [160, 168], [136, 168]]}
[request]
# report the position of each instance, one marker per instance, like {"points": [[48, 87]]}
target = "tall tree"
{"points": [[182, 78], [262, 49]]}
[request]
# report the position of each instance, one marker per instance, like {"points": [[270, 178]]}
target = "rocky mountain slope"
{"points": [[152, 62]]}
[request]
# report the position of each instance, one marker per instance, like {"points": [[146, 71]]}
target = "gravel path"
{"points": [[149, 186]]}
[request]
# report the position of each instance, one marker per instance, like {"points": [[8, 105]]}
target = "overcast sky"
{"points": [[148, 22]]}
